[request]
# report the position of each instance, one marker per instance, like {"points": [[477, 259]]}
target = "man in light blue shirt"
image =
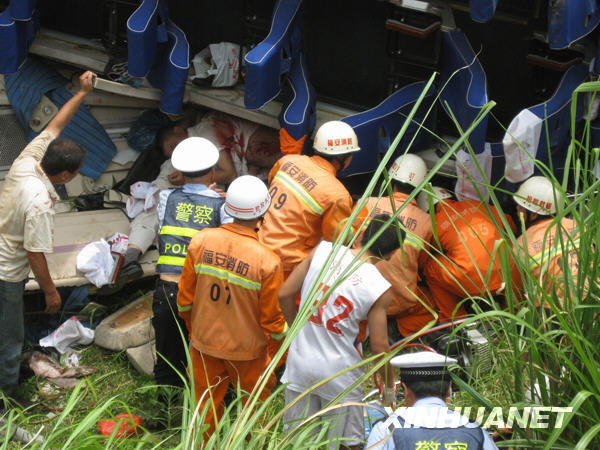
{"points": [[427, 423]]}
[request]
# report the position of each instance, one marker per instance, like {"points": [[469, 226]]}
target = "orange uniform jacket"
{"points": [[545, 252], [308, 204], [402, 269], [467, 237], [228, 293]]}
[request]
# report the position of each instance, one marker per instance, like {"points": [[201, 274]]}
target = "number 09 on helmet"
{"points": [[247, 198]]}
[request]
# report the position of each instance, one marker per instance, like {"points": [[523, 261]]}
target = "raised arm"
{"points": [[64, 115]]}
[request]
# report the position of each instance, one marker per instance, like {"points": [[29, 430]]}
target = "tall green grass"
{"points": [[526, 349]]}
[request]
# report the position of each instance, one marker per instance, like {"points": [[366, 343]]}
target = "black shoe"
{"points": [[127, 274], [130, 272]]}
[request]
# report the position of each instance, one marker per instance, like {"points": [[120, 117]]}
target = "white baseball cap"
{"points": [[194, 154]]}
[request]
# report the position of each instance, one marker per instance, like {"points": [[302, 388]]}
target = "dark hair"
{"points": [[198, 174], [430, 388], [63, 154], [339, 158], [405, 188], [163, 135], [388, 240]]}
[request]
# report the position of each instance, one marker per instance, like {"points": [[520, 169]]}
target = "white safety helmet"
{"points": [[536, 194], [437, 195], [247, 198], [409, 168], [335, 138], [194, 154]]}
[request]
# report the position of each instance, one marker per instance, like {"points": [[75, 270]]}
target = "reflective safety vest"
{"points": [[185, 215], [459, 438]]}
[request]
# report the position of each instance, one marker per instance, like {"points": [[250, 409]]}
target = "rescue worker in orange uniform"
{"points": [[550, 245], [309, 202], [228, 298], [406, 307], [467, 236]]}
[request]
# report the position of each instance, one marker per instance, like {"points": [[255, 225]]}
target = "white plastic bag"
{"points": [[69, 333], [221, 60], [96, 263], [142, 198], [469, 176], [524, 129]]}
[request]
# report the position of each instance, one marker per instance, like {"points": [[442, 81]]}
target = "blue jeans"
{"points": [[11, 333]]}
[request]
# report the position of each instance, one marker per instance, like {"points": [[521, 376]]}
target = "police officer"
{"points": [[181, 213], [427, 423]]}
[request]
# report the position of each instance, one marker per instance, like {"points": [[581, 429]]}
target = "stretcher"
{"points": [[466, 90], [388, 116], [272, 58]]}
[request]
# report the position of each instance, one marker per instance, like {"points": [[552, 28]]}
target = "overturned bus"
{"points": [[290, 65]]}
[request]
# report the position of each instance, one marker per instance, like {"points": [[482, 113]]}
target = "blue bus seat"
{"points": [[388, 116], [22, 9], [272, 58], [482, 10], [171, 71], [143, 36], [25, 89], [158, 50], [16, 37], [466, 91], [298, 112], [557, 113], [569, 21]]}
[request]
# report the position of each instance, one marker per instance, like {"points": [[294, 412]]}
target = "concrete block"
{"points": [[131, 326], [143, 357]]}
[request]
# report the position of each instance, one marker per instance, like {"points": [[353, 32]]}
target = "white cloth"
{"points": [[326, 344], [70, 333], [142, 198], [227, 133], [433, 410], [26, 211], [469, 175], [221, 60], [96, 263], [520, 145], [162, 180]]}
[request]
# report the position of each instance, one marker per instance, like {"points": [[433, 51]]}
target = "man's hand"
{"points": [[86, 82], [176, 178], [218, 190], [53, 301]]}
